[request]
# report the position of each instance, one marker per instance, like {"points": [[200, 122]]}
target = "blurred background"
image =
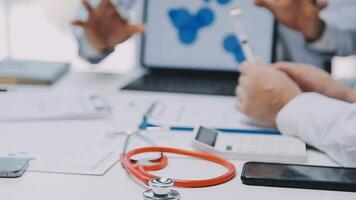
{"points": [[40, 30]]}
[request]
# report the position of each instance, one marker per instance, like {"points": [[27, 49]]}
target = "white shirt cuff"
{"points": [[89, 52], [327, 43]]}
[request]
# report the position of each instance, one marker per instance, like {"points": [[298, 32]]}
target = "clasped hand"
{"points": [[264, 89]]}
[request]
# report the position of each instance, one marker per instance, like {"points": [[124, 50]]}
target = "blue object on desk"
{"points": [[145, 125]]}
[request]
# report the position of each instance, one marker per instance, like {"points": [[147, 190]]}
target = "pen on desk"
{"points": [[3, 89], [151, 127], [245, 44]]}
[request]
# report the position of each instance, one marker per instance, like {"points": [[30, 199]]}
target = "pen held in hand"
{"points": [[242, 36]]}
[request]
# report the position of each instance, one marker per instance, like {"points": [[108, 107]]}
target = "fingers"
{"points": [[290, 69], [79, 23], [105, 3], [245, 67], [238, 105], [248, 67], [88, 7], [320, 4], [283, 65], [240, 93]]}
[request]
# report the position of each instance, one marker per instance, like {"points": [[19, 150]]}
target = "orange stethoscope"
{"points": [[142, 172]]}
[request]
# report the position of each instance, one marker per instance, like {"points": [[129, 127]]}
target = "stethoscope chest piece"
{"points": [[161, 189]]}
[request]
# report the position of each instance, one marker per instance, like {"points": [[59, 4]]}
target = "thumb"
{"points": [[137, 28], [269, 4]]}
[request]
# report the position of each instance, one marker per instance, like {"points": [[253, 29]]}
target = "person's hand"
{"points": [[105, 28], [263, 91], [299, 15], [312, 79]]}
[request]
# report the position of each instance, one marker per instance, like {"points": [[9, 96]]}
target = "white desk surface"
{"points": [[117, 185]]}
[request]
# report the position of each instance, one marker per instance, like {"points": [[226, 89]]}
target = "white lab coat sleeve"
{"points": [[336, 42], [325, 123]]}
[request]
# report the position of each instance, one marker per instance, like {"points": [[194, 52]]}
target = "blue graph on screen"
{"points": [[189, 26], [232, 45]]}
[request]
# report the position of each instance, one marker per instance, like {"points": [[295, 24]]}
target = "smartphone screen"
{"points": [[300, 176]]}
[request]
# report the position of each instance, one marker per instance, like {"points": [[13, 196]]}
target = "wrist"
{"points": [[288, 97], [100, 46], [350, 96], [106, 50]]}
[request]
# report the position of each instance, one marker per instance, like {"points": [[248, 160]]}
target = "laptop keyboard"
{"points": [[180, 84]]}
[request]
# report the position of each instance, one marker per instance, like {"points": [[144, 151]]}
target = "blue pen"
{"points": [[145, 125], [245, 44]]}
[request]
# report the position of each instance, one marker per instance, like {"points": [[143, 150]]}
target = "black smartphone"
{"points": [[299, 176]]}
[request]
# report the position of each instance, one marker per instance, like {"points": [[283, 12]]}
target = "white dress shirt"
{"points": [[336, 41], [325, 123]]}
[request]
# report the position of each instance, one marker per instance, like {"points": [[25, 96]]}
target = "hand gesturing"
{"points": [[300, 15], [105, 27]]}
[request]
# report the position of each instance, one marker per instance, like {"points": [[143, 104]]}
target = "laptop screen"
{"points": [[201, 34]]}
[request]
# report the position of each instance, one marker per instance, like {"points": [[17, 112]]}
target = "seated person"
{"points": [[297, 38], [304, 16], [301, 100]]}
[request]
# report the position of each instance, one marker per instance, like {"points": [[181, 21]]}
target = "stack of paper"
{"points": [[71, 133], [72, 146], [219, 114], [20, 106]]}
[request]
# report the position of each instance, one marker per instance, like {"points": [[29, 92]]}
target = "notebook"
{"points": [[31, 72]]}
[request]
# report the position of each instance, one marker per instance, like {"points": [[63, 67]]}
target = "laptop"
{"points": [[191, 46]]}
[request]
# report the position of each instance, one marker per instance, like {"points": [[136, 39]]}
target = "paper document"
{"points": [[219, 114], [18, 106], [75, 146]]}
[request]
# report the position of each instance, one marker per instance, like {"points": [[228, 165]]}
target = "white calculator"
{"points": [[251, 147]]}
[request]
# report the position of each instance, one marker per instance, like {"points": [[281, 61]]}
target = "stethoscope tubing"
{"points": [[141, 172]]}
